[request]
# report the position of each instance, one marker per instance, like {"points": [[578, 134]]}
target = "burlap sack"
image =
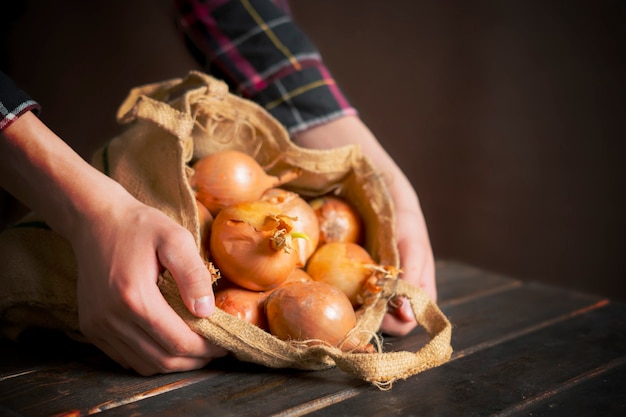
{"points": [[169, 125]]}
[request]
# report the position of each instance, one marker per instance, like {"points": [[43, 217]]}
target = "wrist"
{"points": [[43, 172]]}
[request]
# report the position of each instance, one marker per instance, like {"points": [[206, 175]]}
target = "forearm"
{"points": [[43, 172]]}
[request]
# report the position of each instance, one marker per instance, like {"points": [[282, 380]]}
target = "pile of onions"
{"points": [[249, 305], [292, 267], [338, 220]]}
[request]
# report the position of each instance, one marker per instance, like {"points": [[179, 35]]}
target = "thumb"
{"points": [[192, 276]]}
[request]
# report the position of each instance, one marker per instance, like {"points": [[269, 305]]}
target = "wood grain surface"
{"points": [[520, 349]]}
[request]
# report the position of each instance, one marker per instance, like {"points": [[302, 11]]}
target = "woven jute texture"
{"points": [[168, 126]]}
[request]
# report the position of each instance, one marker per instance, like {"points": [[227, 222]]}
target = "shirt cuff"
{"points": [[264, 56], [304, 98], [13, 102]]}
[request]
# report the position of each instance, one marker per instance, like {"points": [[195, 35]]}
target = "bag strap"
{"points": [[382, 369]]}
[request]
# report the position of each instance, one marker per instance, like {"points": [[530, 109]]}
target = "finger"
{"points": [[147, 357], [166, 328], [401, 309], [393, 326], [181, 257], [418, 266], [133, 347]]}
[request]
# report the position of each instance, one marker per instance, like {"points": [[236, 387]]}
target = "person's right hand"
{"points": [[120, 254]]}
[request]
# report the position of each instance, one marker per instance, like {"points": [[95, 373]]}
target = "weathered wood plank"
{"points": [[49, 374], [41, 349], [457, 283], [81, 390], [310, 391], [492, 315], [599, 392], [481, 320], [501, 376], [248, 393], [53, 369]]}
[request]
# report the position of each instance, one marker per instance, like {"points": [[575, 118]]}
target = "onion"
{"points": [[345, 265], [338, 220], [298, 275], [311, 312], [304, 219], [244, 304], [251, 245], [229, 177]]}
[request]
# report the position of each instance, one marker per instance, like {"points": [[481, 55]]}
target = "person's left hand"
{"points": [[416, 256]]}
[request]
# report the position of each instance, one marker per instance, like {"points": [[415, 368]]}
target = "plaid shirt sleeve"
{"points": [[13, 102], [256, 48]]}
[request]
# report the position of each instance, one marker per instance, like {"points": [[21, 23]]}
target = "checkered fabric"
{"points": [[256, 47], [13, 102]]}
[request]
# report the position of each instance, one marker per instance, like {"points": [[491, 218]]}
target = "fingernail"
{"points": [[407, 309], [204, 306], [396, 302]]}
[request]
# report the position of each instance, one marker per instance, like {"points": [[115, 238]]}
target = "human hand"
{"points": [[418, 267], [121, 246], [121, 310], [416, 257]]}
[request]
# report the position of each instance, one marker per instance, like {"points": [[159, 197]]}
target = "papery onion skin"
{"points": [[310, 311], [244, 304], [298, 275], [345, 265], [229, 177], [304, 219], [243, 245], [338, 220]]}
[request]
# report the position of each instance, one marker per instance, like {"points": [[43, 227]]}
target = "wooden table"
{"points": [[520, 349]]}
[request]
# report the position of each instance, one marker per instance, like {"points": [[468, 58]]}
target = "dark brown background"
{"points": [[506, 115]]}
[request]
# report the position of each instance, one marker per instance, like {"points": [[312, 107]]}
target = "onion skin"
{"points": [[310, 311], [298, 275], [229, 177], [345, 265], [244, 304], [251, 245], [304, 219], [338, 220]]}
